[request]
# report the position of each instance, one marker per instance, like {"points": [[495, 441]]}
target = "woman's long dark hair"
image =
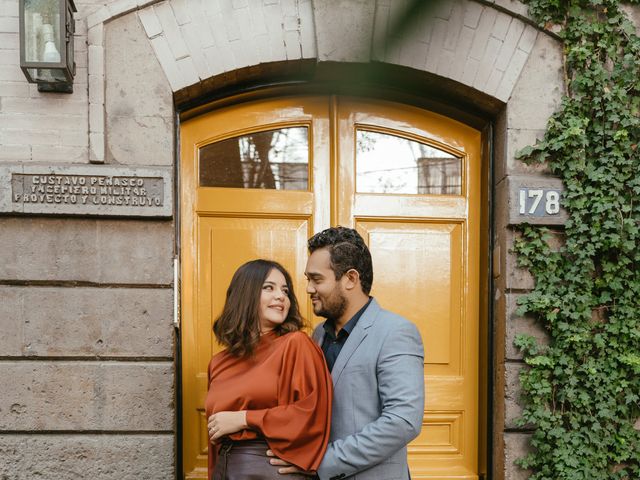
{"points": [[238, 326]]}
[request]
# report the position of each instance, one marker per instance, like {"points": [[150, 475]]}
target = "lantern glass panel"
{"points": [[49, 75], [42, 31]]}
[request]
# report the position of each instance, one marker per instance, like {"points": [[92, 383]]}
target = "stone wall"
{"points": [[86, 303], [87, 350], [87, 357], [536, 96]]}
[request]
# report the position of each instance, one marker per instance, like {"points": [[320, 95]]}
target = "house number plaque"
{"points": [[531, 199], [538, 202]]}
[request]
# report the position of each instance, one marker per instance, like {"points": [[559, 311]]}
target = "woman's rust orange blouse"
{"points": [[285, 388]]}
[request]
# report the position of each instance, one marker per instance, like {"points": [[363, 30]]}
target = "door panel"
{"points": [[433, 207], [418, 176], [254, 202], [430, 281]]}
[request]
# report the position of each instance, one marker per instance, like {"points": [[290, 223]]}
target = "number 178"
{"points": [[530, 199]]}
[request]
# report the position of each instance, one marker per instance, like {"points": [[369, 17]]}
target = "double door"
{"points": [[259, 178]]}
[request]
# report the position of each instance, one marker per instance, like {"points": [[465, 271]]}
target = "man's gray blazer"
{"points": [[378, 398]]}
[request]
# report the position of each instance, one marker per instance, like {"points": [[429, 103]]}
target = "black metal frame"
{"points": [[66, 65]]}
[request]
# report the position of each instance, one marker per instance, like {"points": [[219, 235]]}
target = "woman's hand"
{"points": [[226, 423]]}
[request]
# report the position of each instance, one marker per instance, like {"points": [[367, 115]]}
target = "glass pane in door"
{"points": [[390, 164], [272, 159]]}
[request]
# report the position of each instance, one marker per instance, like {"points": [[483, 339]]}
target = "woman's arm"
{"points": [[297, 428]]}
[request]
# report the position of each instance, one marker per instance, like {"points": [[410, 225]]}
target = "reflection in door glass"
{"points": [[276, 159], [389, 164]]}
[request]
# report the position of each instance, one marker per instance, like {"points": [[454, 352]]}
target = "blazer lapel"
{"points": [[357, 335]]}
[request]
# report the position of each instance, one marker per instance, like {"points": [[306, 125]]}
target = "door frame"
{"points": [[483, 122]]}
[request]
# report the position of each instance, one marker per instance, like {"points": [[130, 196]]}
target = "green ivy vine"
{"points": [[582, 389]]}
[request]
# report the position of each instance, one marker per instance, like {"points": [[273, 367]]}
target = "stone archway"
{"points": [[481, 45]]}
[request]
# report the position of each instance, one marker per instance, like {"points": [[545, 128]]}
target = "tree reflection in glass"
{"points": [[391, 164], [272, 159]]}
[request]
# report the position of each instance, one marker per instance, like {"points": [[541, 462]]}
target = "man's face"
{"points": [[326, 292]]}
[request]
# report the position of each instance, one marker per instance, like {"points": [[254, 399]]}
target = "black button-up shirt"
{"points": [[332, 344]]}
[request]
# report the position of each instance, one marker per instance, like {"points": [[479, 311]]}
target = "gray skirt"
{"points": [[247, 460]]}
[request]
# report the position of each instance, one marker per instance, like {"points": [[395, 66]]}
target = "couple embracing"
{"points": [[343, 404]]}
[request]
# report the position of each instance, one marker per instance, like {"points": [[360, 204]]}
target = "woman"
{"points": [[270, 388]]}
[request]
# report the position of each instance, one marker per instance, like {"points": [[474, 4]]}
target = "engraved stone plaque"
{"points": [[86, 190]]}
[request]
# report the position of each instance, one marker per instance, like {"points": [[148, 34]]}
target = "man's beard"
{"points": [[334, 306]]}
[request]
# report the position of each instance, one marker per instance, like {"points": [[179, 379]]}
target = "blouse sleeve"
{"points": [[297, 430]]}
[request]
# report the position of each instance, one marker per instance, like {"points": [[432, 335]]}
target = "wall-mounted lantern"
{"points": [[46, 43]]}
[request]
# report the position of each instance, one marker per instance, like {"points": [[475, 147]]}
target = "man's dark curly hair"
{"points": [[348, 251]]}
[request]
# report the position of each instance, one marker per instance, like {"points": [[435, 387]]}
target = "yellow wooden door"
{"points": [[409, 182], [257, 179]]}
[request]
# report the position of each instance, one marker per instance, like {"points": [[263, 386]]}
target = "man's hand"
{"points": [[226, 423], [287, 467]]}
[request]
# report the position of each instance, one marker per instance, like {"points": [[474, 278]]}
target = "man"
{"points": [[376, 360]]}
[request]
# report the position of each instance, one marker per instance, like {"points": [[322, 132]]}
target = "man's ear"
{"points": [[351, 279]]}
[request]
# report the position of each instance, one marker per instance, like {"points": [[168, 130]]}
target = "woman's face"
{"points": [[274, 301]]}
